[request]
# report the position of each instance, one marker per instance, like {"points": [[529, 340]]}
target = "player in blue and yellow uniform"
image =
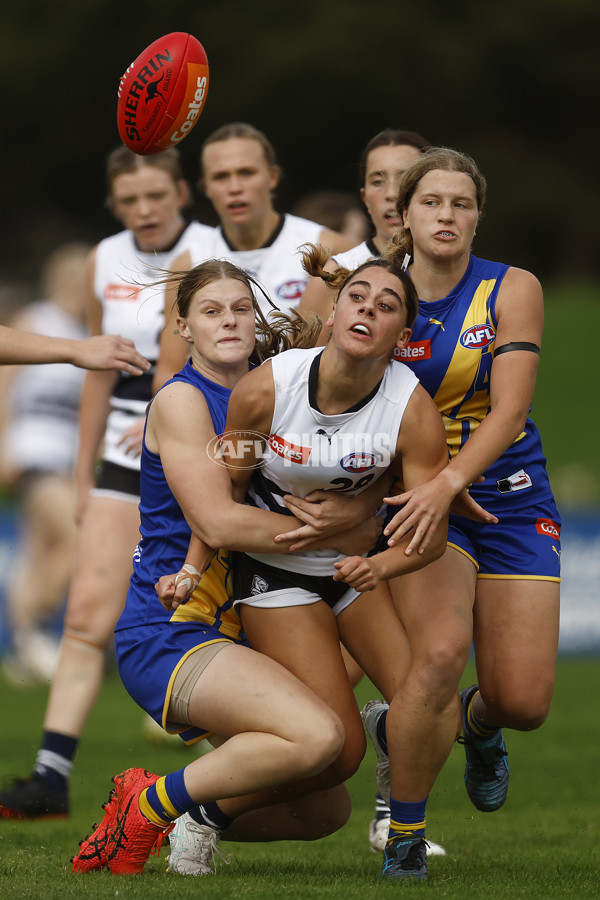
{"points": [[475, 347], [187, 667], [146, 650]]}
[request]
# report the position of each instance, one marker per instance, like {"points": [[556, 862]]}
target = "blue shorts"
{"points": [[149, 658], [525, 543]]}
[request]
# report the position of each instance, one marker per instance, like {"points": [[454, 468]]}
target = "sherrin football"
{"points": [[162, 94]]}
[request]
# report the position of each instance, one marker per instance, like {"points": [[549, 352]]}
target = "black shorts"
{"points": [[259, 584], [118, 479]]}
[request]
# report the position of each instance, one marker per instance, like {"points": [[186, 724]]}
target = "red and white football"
{"points": [[162, 94]]}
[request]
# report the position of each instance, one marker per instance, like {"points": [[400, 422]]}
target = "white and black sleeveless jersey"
{"points": [[277, 266], [356, 256], [124, 277], [308, 450]]}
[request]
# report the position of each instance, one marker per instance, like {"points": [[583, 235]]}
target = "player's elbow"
{"points": [[223, 530]]}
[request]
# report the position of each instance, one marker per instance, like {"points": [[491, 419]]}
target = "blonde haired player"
{"points": [[239, 174]]}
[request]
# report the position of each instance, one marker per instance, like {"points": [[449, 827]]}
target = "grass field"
{"points": [[563, 401], [543, 843]]}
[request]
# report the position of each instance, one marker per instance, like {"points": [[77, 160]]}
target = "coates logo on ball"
{"points": [[162, 94]]}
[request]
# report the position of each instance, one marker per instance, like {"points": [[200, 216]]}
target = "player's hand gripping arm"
{"points": [[421, 455]]}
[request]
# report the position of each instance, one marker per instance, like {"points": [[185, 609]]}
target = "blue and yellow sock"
{"points": [[406, 818], [474, 726], [166, 800]]}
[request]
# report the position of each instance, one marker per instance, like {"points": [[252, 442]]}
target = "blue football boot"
{"points": [[486, 771]]}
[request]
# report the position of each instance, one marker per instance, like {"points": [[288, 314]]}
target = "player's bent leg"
{"points": [[305, 640], [372, 632], [194, 848], [107, 539], [423, 719], [435, 607], [277, 729], [303, 819], [108, 536], [516, 627], [516, 641]]}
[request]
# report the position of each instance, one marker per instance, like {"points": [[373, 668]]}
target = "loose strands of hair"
{"points": [[314, 257], [282, 330]]}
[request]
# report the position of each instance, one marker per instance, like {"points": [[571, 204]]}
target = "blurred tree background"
{"points": [[513, 83]]}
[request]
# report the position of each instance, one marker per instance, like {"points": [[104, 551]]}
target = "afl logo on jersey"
{"points": [[291, 290], [358, 462], [477, 337]]}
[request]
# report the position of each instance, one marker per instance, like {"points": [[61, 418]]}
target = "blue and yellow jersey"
{"points": [[451, 351], [165, 537]]}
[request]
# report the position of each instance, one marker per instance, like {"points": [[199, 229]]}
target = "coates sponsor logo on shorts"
{"points": [[548, 527], [358, 462], [295, 453], [291, 290], [414, 350], [244, 451], [128, 292], [477, 337]]}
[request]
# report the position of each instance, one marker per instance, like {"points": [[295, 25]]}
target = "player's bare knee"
{"points": [[441, 667], [346, 765], [96, 629], [324, 745], [349, 758], [521, 712], [90, 617], [529, 716]]}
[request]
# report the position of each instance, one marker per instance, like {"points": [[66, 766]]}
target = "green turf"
{"points": [[564, 402], [544, 843]]}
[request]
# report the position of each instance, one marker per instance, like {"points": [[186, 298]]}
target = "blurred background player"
{"points": [[148, 196], [337, 210], [39, 410], [239, 174], [103, 351], [381, 165]]}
